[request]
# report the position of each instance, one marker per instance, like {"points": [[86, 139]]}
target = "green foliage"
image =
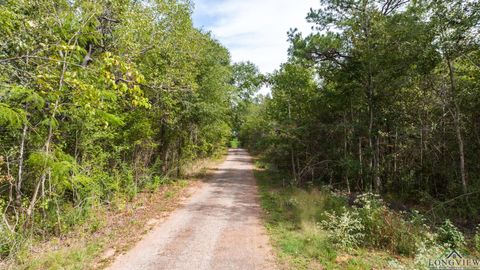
{"points": [[450, 235], [156, 182], [10, 117], [386, 229], [294, 217], [6, 236], [98, 103], [234, 143], [75, 257], [345, 230], [247, 81], [476, 239], [379, 98]]}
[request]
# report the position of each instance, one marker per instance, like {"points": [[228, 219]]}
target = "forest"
{"points": [[380, 105], [98, 102], [383, 98]]}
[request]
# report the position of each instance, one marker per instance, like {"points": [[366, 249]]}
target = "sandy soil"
{"points": [[218, 227]]}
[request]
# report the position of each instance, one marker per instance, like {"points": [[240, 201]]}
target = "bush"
{"points": [[449, 234], [371, 212], [385, 229], [345, 229], [476, 239], [426, 251], [7, 238], [156, 182], [7, 241], [234, 143]]}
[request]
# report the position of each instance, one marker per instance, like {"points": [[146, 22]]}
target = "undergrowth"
{"points": [[319, 228], [94, 228]]}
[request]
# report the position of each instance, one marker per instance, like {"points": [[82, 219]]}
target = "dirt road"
{"points": [[218, 227]]}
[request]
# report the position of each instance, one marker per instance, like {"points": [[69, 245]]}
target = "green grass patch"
{"points": [[293, 217], [75, 257]]}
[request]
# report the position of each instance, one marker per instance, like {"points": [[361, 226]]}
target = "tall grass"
{"points": [[294, 219], [320, 226]]}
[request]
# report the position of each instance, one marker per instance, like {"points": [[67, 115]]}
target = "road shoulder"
{"points": [[113, 229]]}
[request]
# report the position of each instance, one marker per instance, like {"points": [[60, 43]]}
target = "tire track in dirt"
{"points": [[219, 227]]}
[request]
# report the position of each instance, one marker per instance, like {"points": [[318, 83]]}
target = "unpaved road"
{"points": [[218, 227]]}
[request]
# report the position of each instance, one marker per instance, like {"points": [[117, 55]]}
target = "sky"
{"points": [[254, 30]]}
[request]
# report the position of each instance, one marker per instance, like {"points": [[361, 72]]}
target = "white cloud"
{"points": [[254, 30]]}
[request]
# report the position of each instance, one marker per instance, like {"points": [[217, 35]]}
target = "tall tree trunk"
{"points": [[292, 151], [373, 139], [376, 176], [179, 157], [43, 178], [395, 161], [294, 170], [458, 126], [421, 154], [370, 143], [18, 186], [360, 160], [345, 152]]}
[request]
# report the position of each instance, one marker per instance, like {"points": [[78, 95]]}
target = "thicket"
{"points": [[383, 98], [100, 99], [320, 225]]}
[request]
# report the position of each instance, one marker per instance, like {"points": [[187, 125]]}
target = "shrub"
{"points": [[234, 143], [426, 251], [371, 213], [7, 241], [7, 238], [476, 239], [345, 229], [156, 182], [385, 229], [450, 235]]}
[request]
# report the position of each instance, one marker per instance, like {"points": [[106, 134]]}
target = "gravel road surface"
{"points": [[218, 227]]}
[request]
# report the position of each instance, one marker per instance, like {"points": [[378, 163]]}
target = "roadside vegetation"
{"points": [[107, 231], [322, 228], [371, 135], [101, 101]]}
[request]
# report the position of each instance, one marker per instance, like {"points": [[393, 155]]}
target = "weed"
{"points": [[182, 183], [476, 239], [79, 256], [449, 234], [293, 219], [234, 143], [169, 194], [344, 230], [156, 182]]}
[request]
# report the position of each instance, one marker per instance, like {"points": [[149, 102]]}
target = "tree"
{"points": [[391, 102], [99, 98], [247, 81]]}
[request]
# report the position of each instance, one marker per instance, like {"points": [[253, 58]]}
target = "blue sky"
{"points": [[254, 30]]}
